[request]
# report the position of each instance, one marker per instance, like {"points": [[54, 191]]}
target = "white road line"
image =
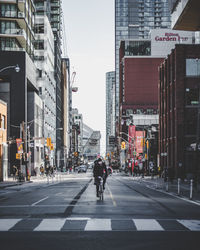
{"points": [[114, 202], [78, 218], [39, 201], [6, 224], [98, 225], [147, 225], [193, 225], [50, 225]]}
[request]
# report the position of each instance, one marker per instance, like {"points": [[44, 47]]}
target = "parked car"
{"points": [[82, 169]]}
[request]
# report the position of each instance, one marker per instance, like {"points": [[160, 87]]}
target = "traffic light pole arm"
{"points": [[126, 141], [127, 135]]}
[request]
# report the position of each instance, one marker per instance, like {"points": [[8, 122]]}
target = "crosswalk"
{"points": [[98, 224]]}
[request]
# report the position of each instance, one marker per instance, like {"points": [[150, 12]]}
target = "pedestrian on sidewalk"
{"points": [[15, 172]]}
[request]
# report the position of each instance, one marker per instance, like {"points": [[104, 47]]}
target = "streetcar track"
{"points": [[147, 196]]}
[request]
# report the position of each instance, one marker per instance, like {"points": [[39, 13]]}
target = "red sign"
{"points": [[131, 139], [139, 141]]}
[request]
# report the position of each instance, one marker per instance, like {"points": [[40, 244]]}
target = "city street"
{"points": [[65, 214]]}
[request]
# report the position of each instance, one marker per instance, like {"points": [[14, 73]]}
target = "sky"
{"points": [[89, 29]]}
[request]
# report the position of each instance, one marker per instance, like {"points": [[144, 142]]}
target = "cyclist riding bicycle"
{"points": [[99, 170]]}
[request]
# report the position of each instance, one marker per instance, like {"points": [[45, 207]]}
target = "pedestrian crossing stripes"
{"points": [[98, 224]]}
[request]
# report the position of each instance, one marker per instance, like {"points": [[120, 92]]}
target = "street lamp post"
{"points": [[16, 67]]}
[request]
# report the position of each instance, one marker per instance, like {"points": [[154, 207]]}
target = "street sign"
{"points": [[18, 156]]}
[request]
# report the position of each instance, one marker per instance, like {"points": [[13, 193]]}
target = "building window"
{"points": [[149, 111], [191, 121], [129, 112], [193, 67], [8, 10], [139, 111], [134, 48], [39, 28], [39, 45], [192, 96]]}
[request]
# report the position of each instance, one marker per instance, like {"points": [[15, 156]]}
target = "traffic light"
{"points": [[76, 154], [48, 141], [123, 145]]}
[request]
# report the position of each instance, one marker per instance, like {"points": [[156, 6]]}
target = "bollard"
{"points": [[179, 180], [48, 179], [157, 182], [191, 188], [167, 185]]}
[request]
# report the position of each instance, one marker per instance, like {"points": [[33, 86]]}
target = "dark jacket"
{"points": [[100, 170]]}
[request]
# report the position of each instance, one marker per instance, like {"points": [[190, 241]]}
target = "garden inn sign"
{"points": [[175, 37]]}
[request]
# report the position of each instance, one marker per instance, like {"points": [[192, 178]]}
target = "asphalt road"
{"points": [[67, 215]]}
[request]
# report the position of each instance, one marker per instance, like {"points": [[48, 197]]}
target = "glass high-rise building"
{"points": [[134, 19], [110, 108]]}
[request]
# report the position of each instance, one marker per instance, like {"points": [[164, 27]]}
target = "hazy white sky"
{"points": [[89, 28]]}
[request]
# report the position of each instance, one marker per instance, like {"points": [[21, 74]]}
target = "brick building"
{"points": [[179, 109]]}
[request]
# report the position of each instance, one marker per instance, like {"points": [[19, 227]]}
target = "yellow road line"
{"points": [[114, 202]]}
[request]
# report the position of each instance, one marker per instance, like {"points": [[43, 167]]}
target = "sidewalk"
{"points": [[35, 179], [182, 189]]}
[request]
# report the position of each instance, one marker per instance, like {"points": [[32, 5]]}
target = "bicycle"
{"points": [[100, 189]]}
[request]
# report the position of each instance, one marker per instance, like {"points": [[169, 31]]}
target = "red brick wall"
{"points": [[141, 82]]}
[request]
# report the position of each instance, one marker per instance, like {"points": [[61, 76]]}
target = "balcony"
{"points": [[185, 15], [19, 34]]}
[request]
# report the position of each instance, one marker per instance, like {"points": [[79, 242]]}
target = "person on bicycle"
{"points": [[99, 170]]}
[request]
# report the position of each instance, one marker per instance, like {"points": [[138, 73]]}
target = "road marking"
{"points": [[193, 225], [147, 225], [3, 199], [98, 225], [39, 201], [50, 225], [78, 218], [112, 198], [59, 193], [6, 224]]}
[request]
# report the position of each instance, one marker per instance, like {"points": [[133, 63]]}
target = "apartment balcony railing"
{"points": [[12, 14], [12, 49]]}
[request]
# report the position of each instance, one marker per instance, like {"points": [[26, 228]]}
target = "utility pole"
{"points": [[21, 132], [25, 148]]}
